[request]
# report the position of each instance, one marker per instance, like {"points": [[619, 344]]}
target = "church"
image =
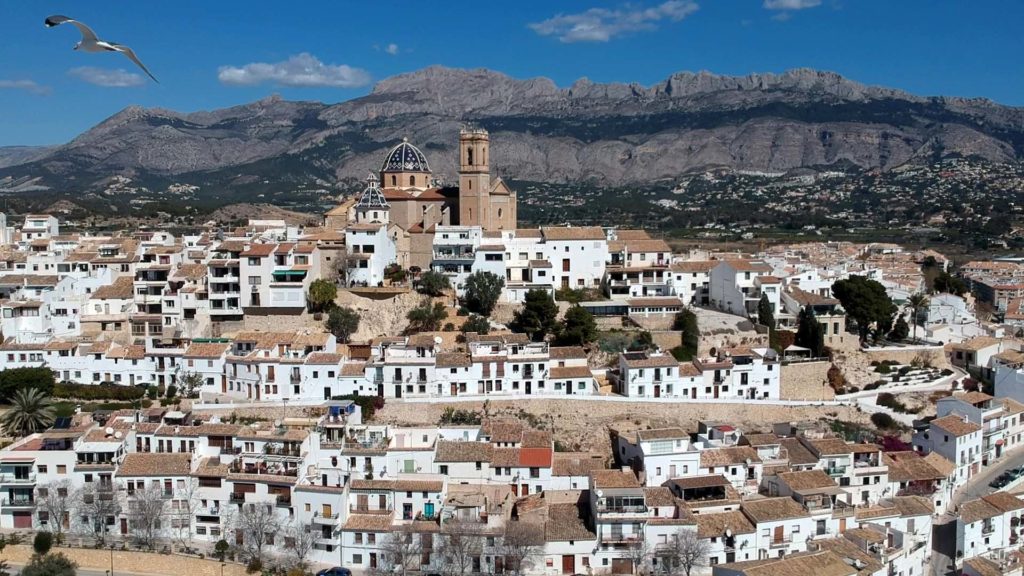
{"points": [[407, 201]]}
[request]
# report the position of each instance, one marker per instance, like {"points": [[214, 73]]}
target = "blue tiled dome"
{"points": [[405, 158]]}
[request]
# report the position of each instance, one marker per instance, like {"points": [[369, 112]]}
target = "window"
{"points": [[42, 468], [62, 469]]}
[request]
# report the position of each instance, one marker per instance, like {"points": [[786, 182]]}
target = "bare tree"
{"points": [[183, 510], [639, 552], [685, 551], [147, 510], [97, 509], [521, 543], [58, 499], [299, 540], [191, 384], [461, 544], [401, 551], [257, 523]]}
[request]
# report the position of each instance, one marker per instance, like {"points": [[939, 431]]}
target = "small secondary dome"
{"points": [[405, 158], [372, 197]]}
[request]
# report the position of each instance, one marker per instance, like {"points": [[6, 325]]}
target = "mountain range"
{"points": [[599, 134]]}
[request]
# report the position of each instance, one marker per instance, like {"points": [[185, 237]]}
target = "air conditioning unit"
{"points": [[254, 288]]}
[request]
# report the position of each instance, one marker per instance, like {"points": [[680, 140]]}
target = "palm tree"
{"points": [[31, 411], [915, 303]]}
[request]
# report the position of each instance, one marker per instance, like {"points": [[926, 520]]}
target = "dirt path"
{"points": [[586, 425]]}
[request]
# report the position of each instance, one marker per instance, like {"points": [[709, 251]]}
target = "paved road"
{"points": [[978, 486], [943, 548], [16, 570]]}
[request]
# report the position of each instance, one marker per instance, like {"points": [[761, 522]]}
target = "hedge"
{"points": [[368, 404], [97, 391]]}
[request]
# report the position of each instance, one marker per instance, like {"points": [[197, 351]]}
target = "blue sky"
{"points": [[210, 54]]}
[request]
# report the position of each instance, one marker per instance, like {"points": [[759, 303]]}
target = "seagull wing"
{"points": [[131, 56], [56, 20]]}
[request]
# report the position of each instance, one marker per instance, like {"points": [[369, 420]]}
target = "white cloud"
{"points": [[301, 70], [603, 24], [26, 85], [791, 4], [119, 78], [391, 48]]}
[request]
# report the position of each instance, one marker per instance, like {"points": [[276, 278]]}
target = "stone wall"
{"points": [[938, 357], [803, 381], [131, 562]]}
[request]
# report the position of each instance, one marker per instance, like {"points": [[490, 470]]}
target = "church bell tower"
{"points": [[474, 178]]}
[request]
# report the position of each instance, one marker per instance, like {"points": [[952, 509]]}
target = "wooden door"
{"points": [[622, 566], [842, 525], [779, 534], [327, 512], [455, 389], [270, 373], [568, 564], [657, 391]]}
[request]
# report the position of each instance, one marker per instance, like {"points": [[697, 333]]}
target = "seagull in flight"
{"points": [[90, 43]]}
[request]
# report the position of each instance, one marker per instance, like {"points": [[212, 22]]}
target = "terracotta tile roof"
{"points": [[659, 496], [990, 506], [503, 430], [694, 266], [983, 566], [805, 298], [807, 480], [772, 509], [325, 358], [559, 372], [613, 479], [146, 464], [756, 439], [210, 467], [914, 505], [828, 446], [121, 289], [565, 522], [715, 525], [263, 478], [567, 353], [535, 457], [662, 434], [368, 523], [576, 463], [353, 369], [208, 350], [689, 370], [453, 360], [749, 266], [728, 456], [563, 233], [458, 451], [205, 430], [505, 457], [975, 344], [955, 425]]}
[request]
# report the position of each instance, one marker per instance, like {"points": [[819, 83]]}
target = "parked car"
{"points": [[335, 571]]}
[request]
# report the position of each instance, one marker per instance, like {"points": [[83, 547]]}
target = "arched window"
{"points": [[470, 182], [469, 156], [394, 180], [412, 180], [484, 154], [499, 212]]}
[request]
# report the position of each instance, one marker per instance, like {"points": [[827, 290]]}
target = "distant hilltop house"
{"points": [[396, 217]]}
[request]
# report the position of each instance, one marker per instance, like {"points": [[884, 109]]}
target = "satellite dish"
{"points": [[438, 340], [109, 430], [277, 423], [728, 532], [118, 435], [600, 493]]}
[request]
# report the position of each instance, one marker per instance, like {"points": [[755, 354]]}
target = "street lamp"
{"points": [[111, 571], [222, 564]]}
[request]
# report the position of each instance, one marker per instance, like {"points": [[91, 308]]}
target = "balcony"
{"points": [[367, 510], [237, 497], [620, 538], [783, 542], [990, 430], [638, 509], [836, 470], [29, 478], [284, 500], [17, 502], [295, 379], [987, 529], [320, 518]]}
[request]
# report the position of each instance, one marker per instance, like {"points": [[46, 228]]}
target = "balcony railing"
{"points": [[620, 538], [321, 518], [835, 470], [284, 499], [781, 542], [29, 478], [638, 509], [367, 510], [987, 529], [17, 501], [237, 497]]}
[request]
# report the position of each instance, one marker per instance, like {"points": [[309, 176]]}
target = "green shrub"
{"points": [[883, 421], [42, 542], [458, 416], [97, 391], [172, 391], [904, 370], [368, 404], [883, 369]]}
